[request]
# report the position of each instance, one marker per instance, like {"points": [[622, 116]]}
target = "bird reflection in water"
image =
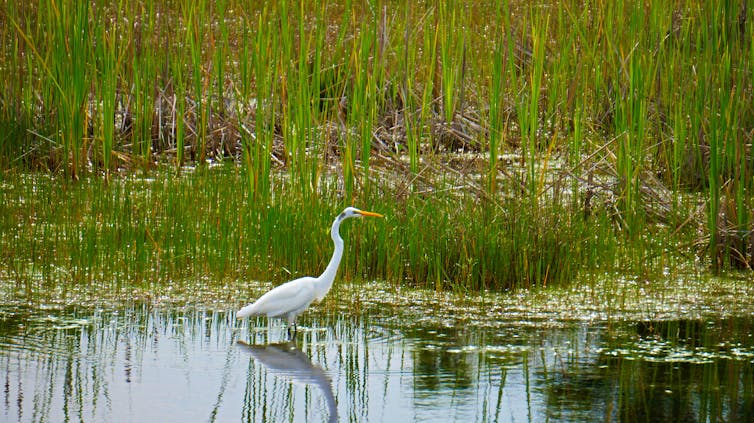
{"points": [[287, 361]]}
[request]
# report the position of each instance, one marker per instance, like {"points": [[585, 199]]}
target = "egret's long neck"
{"points": [[328, 276]]}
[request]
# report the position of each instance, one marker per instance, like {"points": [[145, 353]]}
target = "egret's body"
{"points": [[290, 299]]}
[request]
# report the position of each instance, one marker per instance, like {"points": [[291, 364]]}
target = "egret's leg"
{"points": [[292, 334]]}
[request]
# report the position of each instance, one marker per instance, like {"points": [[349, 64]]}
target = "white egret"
{"points": [[290, 299]]}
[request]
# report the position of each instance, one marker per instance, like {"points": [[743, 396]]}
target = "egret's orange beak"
{"points": [[366, 213]]}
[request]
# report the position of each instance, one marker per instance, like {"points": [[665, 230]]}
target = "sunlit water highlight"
{"points": [[147, 362]]}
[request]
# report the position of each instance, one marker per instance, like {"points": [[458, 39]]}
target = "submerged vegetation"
{"points": [[511, 144]]}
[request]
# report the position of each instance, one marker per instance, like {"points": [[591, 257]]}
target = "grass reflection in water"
{"points": [[187, 363]]}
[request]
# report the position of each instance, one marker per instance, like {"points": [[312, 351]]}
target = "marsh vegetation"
{"points": [[512, 143]]}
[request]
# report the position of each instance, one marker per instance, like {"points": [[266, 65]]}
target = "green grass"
{"points": [[144, 231], [501, 135]]}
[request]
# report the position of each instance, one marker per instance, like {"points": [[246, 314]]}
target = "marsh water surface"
{"points": [[426, 359]]}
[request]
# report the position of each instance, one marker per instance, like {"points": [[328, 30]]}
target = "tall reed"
{"points": [[452, 49], [259, 146], [194, 15], [69, 59], [529, 109], [108, 62]]}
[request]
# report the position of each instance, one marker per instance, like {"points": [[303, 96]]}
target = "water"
{"points": [[151, 362]]}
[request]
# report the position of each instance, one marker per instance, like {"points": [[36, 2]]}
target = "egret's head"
{"points": [[354, 212]]}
